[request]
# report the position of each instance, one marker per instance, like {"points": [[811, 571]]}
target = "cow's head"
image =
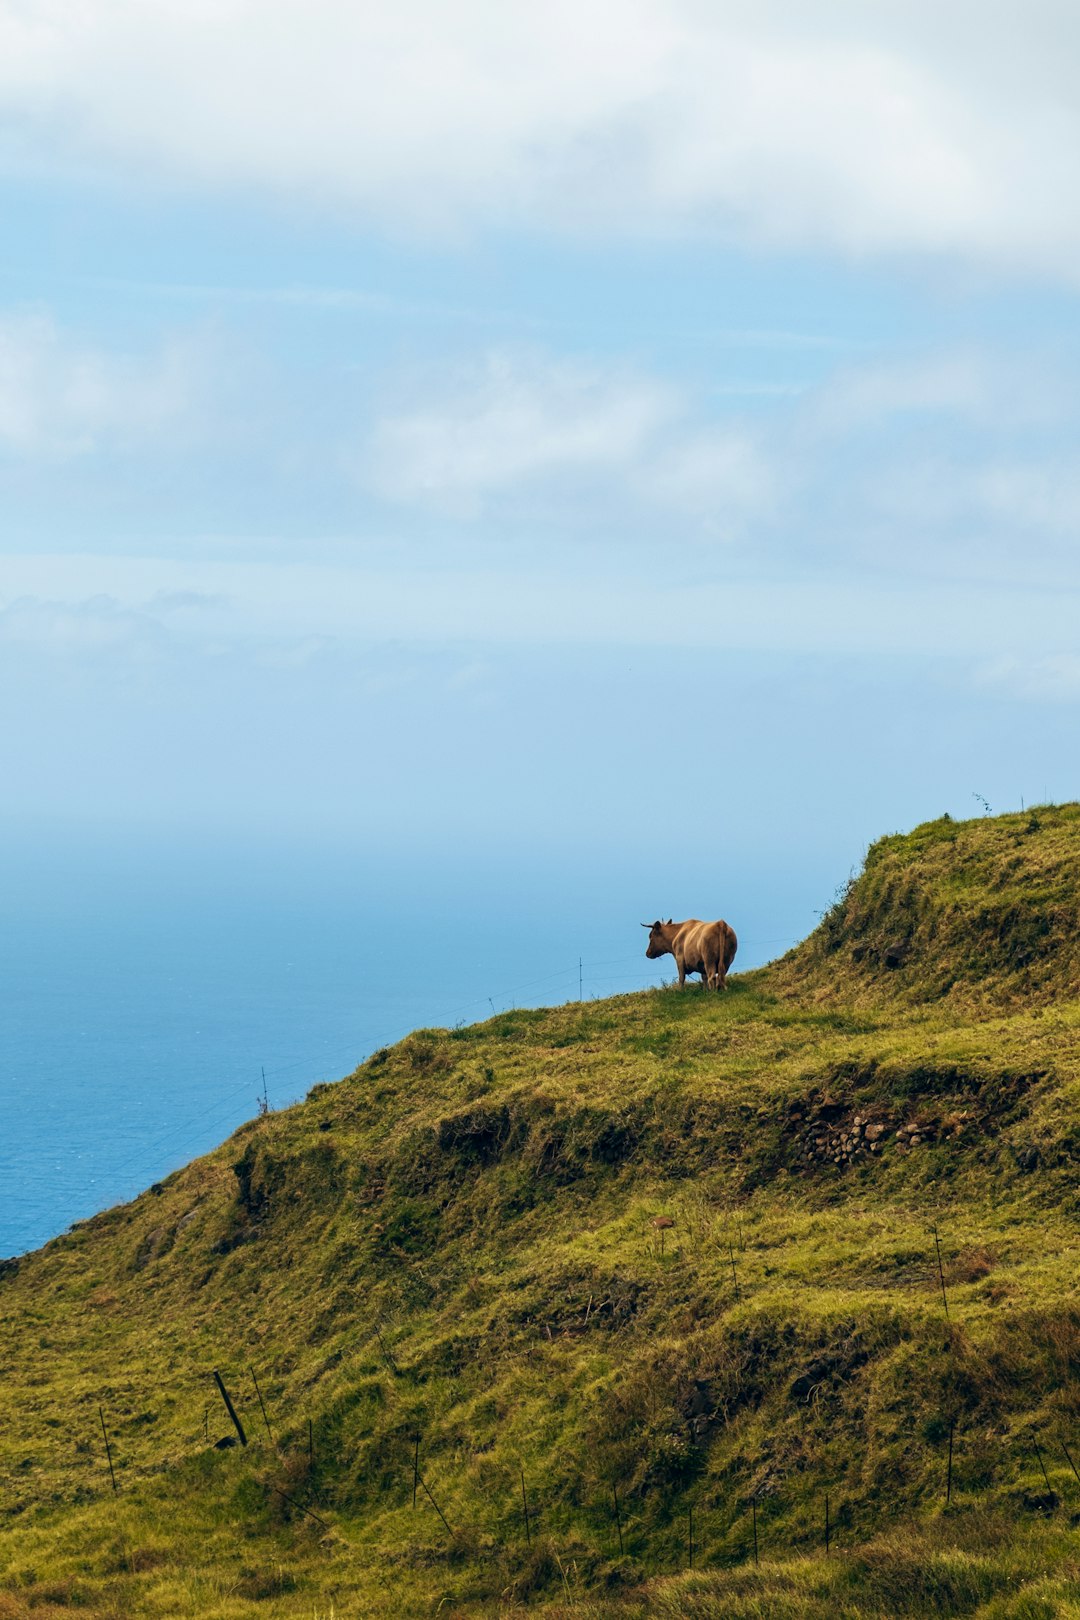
{"points": [[658, 944]]}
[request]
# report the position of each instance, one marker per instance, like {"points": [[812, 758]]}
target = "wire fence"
{"points": [[736, 1515]]}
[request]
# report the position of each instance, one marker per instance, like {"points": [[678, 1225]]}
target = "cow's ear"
{"points": [[669, 922]]}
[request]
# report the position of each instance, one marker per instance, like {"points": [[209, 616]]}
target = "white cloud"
{"points": [[591, 442], [950, 383], [1036, 496], [963, 503], [60, 397], [959, 462], [1055, 679], [899, 127], [184, 602], [76, 629], [987, 389], [927, 451], [512, 419], [722, 477]]}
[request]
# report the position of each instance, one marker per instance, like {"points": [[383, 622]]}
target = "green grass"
{"points": [[457, 1241]]}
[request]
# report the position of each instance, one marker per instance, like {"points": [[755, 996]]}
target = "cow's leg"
{"points": [[681, 965]]}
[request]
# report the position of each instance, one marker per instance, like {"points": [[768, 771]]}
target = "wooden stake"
{"points": [[415, 1468], [230, 1408], [734, 1275], [1042, 1465], [753, 1509], [262, 1408], [108, 1449], [1069, 1460], [948, 1476], [826, 1524], [618, 1519], [525, 1509]]}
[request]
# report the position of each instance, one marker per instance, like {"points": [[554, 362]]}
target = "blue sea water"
{"points": [[145, 993]]}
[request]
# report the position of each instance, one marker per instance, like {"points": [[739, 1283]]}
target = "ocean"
{"points": [[149, 991]]}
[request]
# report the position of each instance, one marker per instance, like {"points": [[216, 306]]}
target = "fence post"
{"points": [[941, 1274], [230, 1408], [108, 1448], [262, 1407]]}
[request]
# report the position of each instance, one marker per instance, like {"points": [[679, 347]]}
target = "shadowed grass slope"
{"points": [[457, 1243]]}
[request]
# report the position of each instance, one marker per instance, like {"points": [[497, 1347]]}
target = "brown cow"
{"points": [[707, 948]]}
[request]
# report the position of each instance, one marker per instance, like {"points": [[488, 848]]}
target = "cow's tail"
{"points": [[731, 945]]}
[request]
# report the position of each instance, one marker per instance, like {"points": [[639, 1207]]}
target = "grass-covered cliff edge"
{"points": [[458, 1242]]}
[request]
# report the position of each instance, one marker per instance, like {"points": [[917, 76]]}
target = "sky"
{"points": [[471, 427]]}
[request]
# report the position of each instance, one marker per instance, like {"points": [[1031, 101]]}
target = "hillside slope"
{"points": [[466, 1244]]}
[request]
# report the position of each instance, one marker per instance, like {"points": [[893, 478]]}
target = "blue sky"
{"points": [[595, 426]]}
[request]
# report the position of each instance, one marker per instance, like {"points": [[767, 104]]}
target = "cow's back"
{"points": [[690, 942], [707, 946]]}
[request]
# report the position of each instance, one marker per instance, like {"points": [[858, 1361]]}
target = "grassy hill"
{"points": [[661, 1253]]}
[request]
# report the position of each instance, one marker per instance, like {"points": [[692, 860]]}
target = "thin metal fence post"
{"points": [[108, 1449]]}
